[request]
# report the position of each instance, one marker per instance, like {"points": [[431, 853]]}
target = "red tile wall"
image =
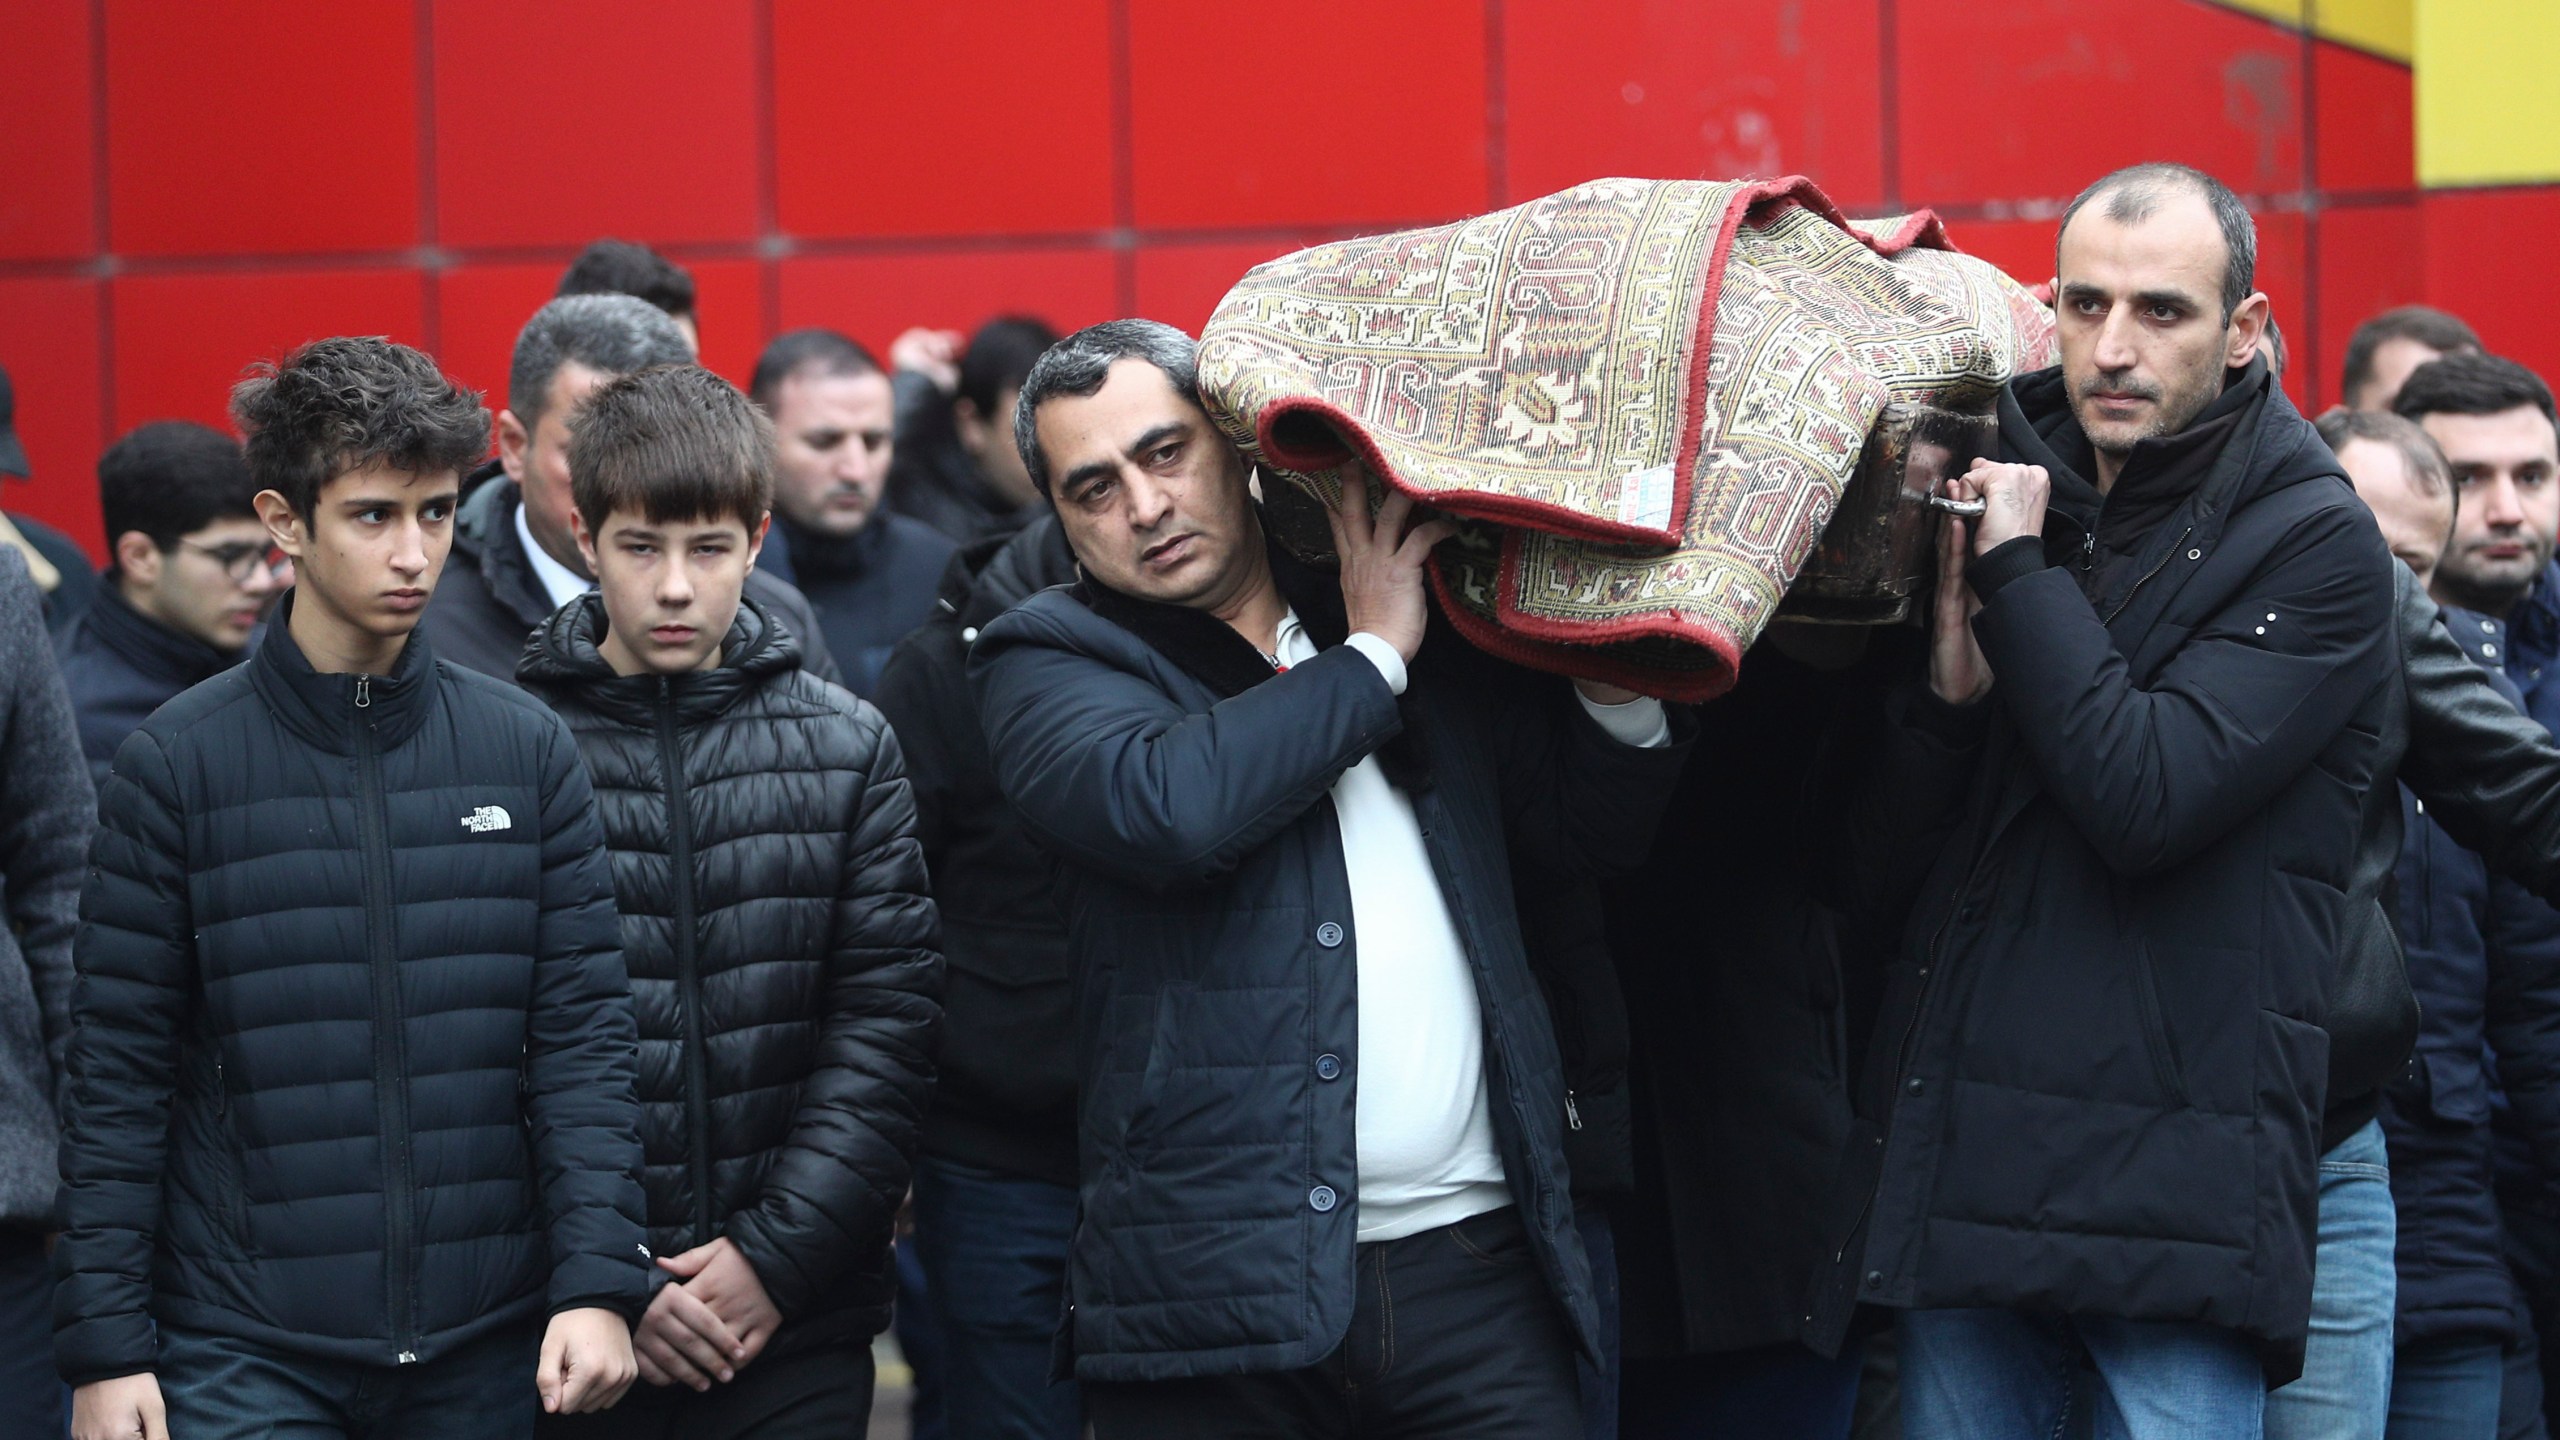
{"points": [[186, 189]]}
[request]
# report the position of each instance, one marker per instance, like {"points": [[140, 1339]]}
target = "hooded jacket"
{"points": [[1182, 787], [2097, 1080], [351, 1053], [782, 954], [489, 601], [1005, 1097]]}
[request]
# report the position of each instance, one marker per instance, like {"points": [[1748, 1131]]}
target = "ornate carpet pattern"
{"points": [[1641, 397]]}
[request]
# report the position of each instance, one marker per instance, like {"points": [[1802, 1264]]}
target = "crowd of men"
{"points": [[572, 922]]}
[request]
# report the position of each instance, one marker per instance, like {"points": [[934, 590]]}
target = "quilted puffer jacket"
{"points": [[784, 956], [351, 1052]]}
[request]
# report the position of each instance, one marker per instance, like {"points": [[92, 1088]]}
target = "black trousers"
{"points": [[1454, 1334], [822, 1394]]}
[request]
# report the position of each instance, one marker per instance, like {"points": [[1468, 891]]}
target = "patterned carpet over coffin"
{"points": [[1642, 397]]}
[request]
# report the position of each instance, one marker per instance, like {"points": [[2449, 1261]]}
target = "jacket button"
{"points": [[1914, 1085], [1328, 935], [1328, 1067], [1323, 1198], [1875, 1279]]}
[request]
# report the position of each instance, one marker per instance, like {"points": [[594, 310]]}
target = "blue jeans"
{"points": [[995, 1256], [1600, 1386], [2002, 1375], [221, 1388], [2447, 1390], [2345, 1389], [1775, 1392]]}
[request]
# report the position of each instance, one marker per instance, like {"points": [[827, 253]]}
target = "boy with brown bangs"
{"points": [[784, 957]]}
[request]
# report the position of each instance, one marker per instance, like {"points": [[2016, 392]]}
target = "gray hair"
{"points": [[609, 334], [2136, 193], [1080, 363], [2425, 459]]}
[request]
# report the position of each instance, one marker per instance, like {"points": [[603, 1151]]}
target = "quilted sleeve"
{"points": [[581, 1056], [835, 1185], [135, 962]]}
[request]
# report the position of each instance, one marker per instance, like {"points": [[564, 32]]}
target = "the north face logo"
{"points": [[486, 819]]}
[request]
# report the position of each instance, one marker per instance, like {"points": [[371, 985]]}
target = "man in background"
{"points": [[2387, 347], [192, 575], [956, 467], [515, 559], [2494, 420], [620, 267], [871, 575], [996, 1184]]}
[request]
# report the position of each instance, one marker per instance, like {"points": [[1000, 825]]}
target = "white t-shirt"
{"points": [[1425, 1121]]}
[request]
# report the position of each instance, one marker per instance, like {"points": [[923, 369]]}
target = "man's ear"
{"points": [[284, 528], [755, 540], [515, 443], [2248, 323], [586, 542], [138, 558]]}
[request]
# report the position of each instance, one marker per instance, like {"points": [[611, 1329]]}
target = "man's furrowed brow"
{"points": [[1157, 435]]}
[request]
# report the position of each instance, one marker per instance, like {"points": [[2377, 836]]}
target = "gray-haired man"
{"points": [[514, 560]]}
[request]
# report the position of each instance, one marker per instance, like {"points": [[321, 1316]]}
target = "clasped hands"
{"points": [[2013, 504], [708, 1322]]}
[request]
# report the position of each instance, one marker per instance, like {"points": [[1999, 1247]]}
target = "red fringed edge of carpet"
{"points": [[1570, 648], [1535, 515]]}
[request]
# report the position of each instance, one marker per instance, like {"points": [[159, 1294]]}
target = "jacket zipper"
{"points": [[390, 1058], [2147, 575], [1928, 986], [697, 1073]]}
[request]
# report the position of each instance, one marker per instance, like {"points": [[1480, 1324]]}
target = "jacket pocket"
{"points": [[1147, 1108], [2155, 1029]]}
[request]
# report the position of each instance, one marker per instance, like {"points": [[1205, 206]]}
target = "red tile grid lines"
{"points": [[186, 189]]}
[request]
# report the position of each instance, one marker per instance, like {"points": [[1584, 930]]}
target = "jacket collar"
{"points": [[155, 651], [2533, 628], [1020, 566], [484, 537], [1210, 651], [822, 559], [566, 657], [323, 709], [2038, 426]]}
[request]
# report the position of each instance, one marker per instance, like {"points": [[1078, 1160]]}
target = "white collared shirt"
{"points": [[559, 582], [1424, 1121]]}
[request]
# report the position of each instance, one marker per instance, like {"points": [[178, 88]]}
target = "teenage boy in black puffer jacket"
{"points": [[784, 957], [349, 1108]]}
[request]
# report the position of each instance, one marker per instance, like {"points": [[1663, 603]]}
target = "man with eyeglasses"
{"points": [[191, 576]]}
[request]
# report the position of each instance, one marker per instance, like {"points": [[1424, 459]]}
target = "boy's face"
{"points": [[372, 547], [670, 590]]}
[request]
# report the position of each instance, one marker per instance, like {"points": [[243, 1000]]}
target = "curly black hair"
{"points": [[345, 403]]}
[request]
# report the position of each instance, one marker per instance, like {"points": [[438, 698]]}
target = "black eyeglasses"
{"points": [[241, 559]]}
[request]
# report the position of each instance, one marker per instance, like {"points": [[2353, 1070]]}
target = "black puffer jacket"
{"points": [[352, 1054], [2098, 1077], [1183, 788], [1005, 1095], [781, 949]]}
